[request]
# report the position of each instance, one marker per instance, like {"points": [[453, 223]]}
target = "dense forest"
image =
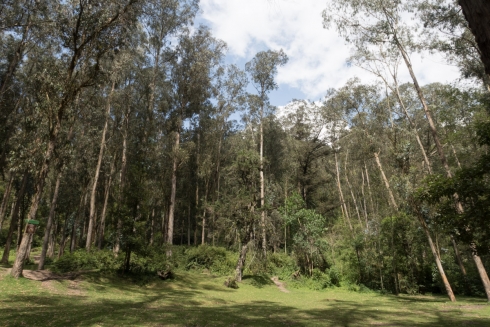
{"points": [[125, 137]]}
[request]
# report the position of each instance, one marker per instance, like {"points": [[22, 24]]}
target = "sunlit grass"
{"points": [[194, 299]]}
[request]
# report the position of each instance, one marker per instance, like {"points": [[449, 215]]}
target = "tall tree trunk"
{"points": [[386, 182], [63, 238], [483, 274], [22, 251], [189, 224], [93, 193], [241, 262], [203, 236], [262, 184], [104, 208], [351, 191], [364, 201], [476, 13], [122, 178], [458, 256], [438, 260], [173, 192], [341, 195], [442, 156], [412, 125], [47, 231], [14, 218], [5, 200]]}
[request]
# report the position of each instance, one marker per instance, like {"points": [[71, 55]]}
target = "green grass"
{"points": [[194, 299]]}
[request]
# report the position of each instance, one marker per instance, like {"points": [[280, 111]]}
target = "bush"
{"points": [[282, 265], [149, 265], [83, 260], [216, 259]]}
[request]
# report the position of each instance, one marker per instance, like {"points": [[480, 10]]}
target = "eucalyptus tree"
{"points": [[85, 32], [192, 70], [262, 69], [476, 13], [446, 30], [306, 138]]}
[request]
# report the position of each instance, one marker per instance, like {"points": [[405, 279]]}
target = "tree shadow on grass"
{"points": [[180, 309], [257, 280]]}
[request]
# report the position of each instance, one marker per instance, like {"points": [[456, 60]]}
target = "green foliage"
{"points": [[215, 259], [83, 260], [148, 265], [282, 265]]}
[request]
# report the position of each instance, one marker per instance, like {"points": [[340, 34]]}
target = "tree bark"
{"points": [[173, 192], [483, 274], [442, 156], [262, 183], [93, 193], [386, 182], [104, 208], [341, 195], [241, 262], [14, 218], [458, 256], [22, 251], [5, 200], [49, 223], [122, 175], [449, 290], [476, 13]]}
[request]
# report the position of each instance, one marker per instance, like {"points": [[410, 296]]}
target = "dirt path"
{"points": [[280, 285], [49, 279]]}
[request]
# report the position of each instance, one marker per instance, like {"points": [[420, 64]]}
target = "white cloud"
{"points": [[317, 57]]}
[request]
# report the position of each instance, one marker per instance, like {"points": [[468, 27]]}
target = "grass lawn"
{"points": [[194, 299]]}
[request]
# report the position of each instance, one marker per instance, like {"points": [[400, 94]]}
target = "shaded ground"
{"points": [[197, 300]]}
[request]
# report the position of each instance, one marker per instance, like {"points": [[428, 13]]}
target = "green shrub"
{"points": [[216, 259], [281, 265], [83, 260], [149, 265]]}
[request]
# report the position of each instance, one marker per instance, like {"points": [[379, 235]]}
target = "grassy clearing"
{"points": [[194, 299]]}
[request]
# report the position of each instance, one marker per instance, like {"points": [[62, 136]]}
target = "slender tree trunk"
{"points": [[5, 200], [49, 224], [152, 226], [91, 222], [351, 191], [189, 224], [483, 274], [442, 156], [414, 127], [14, 218], [122, 175], [22, 251], [438, 261], [173, 192], [241, 262], [341, 195], [369, 189], [262, 185], [458, 256], [364, 201], [386, 182], [203, 236], [104, 208], [63, 238]]}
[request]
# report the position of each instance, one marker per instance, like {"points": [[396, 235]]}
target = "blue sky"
{"points": [[317, 57]]}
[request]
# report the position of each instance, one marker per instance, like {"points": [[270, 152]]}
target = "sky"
{"points": [[317, 57]]}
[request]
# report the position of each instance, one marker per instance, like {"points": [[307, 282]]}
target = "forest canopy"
{"points": [[127, 138]]}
